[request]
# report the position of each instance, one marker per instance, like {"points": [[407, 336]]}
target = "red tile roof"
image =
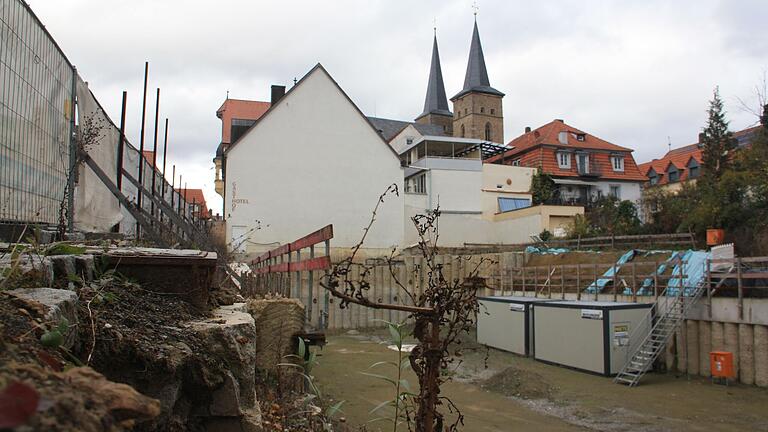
{"points": [[681, 157], [538, 148], [196, 196]]}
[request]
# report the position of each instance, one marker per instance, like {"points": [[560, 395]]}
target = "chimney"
{"points": [[278, 92], [701, 137], [527, 129]]}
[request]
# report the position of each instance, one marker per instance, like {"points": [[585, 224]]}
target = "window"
{"points": [[516, 162], [618, 163], [581, 137], [493, 111], [238, 128], [466, 111], [408, 141], [564, 160], [509, 204], [653, 177], [488, 132], [694, 169], [674, 174], [462, 131], [482, 110], [416, 184], [615, 191]]}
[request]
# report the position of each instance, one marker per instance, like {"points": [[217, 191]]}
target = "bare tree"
{"points": [[441, 313]]}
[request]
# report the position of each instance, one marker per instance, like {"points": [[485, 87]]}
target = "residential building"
{"points": [[195, 200], [313, 158], [236, 117], [583, 166], [684, 164], [310, 160]]}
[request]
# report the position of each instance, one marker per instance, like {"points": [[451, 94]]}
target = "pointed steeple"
{"points": [[476, 78], [436, 102]]}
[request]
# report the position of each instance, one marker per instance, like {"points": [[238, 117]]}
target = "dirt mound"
{"points": [[519, 383]]}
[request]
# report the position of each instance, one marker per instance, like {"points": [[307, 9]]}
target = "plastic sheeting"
{"points": [[693, 271], [598, 285], [647, 287], [96, 208], [545, 251]]}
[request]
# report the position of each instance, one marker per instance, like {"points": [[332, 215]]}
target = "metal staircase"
{"points": [[671, 311]]}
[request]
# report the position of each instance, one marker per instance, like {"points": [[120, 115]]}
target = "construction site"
{"points": [[125, 304]]}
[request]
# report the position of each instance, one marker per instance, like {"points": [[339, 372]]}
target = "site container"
{"points": [[596, 337], [506, 323], [721, 364]]}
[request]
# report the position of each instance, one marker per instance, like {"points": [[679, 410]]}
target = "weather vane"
{"points": [[476, 8], [434, 25]]}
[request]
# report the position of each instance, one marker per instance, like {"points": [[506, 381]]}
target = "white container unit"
{"points": [[596, 337], [506, 323]]}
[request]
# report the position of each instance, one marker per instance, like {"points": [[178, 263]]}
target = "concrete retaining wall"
{"points": [[689, 350]]}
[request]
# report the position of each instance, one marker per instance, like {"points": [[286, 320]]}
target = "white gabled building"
{"points": [[312, 159]]}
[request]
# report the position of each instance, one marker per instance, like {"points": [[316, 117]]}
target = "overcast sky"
{"points": [[633, 73]]}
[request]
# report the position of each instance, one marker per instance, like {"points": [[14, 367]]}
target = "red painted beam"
{"points": [[319, 236], [319, 263]]}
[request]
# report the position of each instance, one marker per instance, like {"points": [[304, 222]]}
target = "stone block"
{"points": [[56, 304], [277, 323], [230, 335]]}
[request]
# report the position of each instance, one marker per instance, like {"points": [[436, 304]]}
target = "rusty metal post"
{"points": [[165, 153], [154, 153], [523, 281], [121, 144], [141, 145]]}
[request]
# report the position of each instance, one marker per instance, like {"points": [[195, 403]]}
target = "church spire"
{"points": [[476, 78], [435, 101]]}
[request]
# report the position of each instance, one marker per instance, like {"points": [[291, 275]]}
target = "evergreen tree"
{"points": [[543, 188], [718, 141]]}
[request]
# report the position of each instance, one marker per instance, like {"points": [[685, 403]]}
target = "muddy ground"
{"points": [[499, 391]]}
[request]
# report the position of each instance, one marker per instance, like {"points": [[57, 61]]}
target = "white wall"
{"points": [[313, 160], [458, 229], [629, 191], [456, 191]]}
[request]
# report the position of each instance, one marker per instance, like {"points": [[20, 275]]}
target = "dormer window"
{"points": [[653, 178], [673, 174], [617, 162], [581, 137], [694, 169], [516, 162], [408, 141], [562, 137], [564, 160]]}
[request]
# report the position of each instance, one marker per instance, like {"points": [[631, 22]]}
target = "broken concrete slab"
{"points": [[56, 304], [27, 269], [230, 335]]}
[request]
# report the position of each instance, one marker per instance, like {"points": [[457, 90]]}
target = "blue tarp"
{"points": [[693, 272], [598, 285], [647, 287], [545, 251]]}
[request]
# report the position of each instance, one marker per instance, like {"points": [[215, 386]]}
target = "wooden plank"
{"points": [[319, 236], [317, 263]]}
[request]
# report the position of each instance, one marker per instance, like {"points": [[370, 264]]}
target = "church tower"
{"points": [[436, 110], [477, 106]]}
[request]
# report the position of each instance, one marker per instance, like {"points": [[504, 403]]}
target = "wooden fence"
{"points": [[680, 240], [296, 269]]}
